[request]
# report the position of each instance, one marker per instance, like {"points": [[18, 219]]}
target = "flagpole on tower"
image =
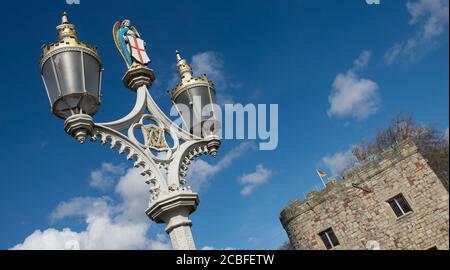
{"points": [[321, 175], [323, 182]]}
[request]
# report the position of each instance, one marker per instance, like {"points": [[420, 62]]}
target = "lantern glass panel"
{"points": [[196, 98], [69, 70], [184, 99], [200, 94], [92, 74], [50, 80]]}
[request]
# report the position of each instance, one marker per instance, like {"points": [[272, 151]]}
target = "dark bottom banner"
{"points": [[217, 259]]}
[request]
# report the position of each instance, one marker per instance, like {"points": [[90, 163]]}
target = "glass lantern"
{"points": [[199, 96], [71, 72]]}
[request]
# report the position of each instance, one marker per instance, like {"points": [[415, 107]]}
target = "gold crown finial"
{"points": [[188, 79], [183, 67], [67, 37], [65, 29]]}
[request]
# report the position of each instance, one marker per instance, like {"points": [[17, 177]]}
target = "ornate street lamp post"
{"points": [[71, 71]]}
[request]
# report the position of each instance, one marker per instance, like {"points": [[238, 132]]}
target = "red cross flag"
{"points": [[138, 50]]}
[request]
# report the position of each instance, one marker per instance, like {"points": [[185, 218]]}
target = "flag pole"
{"points": [[323, 182], [321, 178]]}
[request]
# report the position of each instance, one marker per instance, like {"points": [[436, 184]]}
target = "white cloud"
{"points": [[50, 239], [223, 98], [431, 17], [103, 178], [82, 207], [209, 63], [362, 61], [393, 52], [135, 195], [254, 179], [339, 162], [353, 96], [101, 233], [108, 226], [446, 134], [201, 172], [431, 14]]}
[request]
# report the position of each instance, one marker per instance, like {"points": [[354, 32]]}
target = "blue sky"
{"points": [[338, 70]]}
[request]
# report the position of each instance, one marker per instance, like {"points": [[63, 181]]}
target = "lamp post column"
{"points": [[174, 210]]}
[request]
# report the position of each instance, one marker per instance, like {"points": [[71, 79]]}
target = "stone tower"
{"points": [[397, 202]]}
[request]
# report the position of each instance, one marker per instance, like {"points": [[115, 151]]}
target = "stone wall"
{"points": [[356, 207]]}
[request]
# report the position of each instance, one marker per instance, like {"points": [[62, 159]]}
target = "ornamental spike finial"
{"points": [[184, 69], [177, 53], [66, 30], [65, 18]]}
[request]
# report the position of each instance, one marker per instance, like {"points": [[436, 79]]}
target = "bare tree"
{"points": [[431, 143]]}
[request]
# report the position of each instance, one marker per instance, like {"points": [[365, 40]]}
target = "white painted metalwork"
{"points": [[163, 165]]}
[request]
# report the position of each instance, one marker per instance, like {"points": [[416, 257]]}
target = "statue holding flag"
{"points": [[130, 45]]}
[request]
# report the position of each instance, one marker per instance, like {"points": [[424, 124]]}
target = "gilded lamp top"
{"points": [[187, 77], [67, 37]]}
